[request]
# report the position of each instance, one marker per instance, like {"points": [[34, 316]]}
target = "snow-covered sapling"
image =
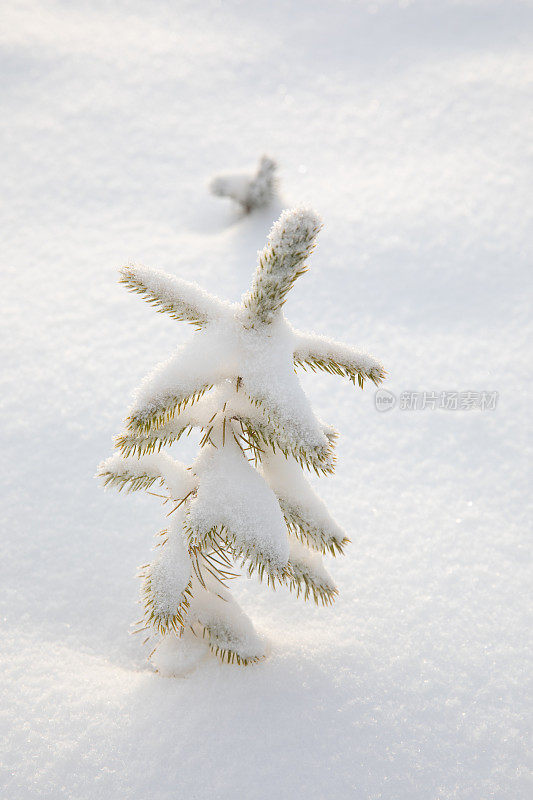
{"points": [[250, 191], [244, 502]]}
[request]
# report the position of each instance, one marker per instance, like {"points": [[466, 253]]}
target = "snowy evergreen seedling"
{"points": [[250, 191], [244, 502]]}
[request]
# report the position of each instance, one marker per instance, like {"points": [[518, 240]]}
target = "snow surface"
{"points": [[407, 126]]}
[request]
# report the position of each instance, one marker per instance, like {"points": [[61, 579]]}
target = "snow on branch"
{"points": [[250, 192], [138, 444], [196, 415], [134, 474], [181, 299], [132, 444], [162, 408], [266, 432], [281, 262], [234, 504], [284, 409], [326, 537], [306, 516], [308, 576], [180, 381], [319, 352], [166, 583], [116, 472], [230, 633]]}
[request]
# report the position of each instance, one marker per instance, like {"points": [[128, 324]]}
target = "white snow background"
{"points": [[407, 126]]}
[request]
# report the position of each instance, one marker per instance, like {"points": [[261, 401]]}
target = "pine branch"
{"points": [[180, 299], [118, 473], [281, 262], [129, 482], [335, 367], [271, 433], [306, 516], [220, 539], [226, 650], [258, 437], [166, 590], [227, 655], [217, 567], [229, 631], [309, 533], [319, 352], [194, 415], [165, 621], [307, 576], [162, 409], [178, 383], [250, 192], [134, 474], [263, 187], [135, 445], [305, 583], [303, 573]]}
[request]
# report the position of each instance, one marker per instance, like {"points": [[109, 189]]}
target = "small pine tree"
{"points": [[244, 502], [250, 191]]}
